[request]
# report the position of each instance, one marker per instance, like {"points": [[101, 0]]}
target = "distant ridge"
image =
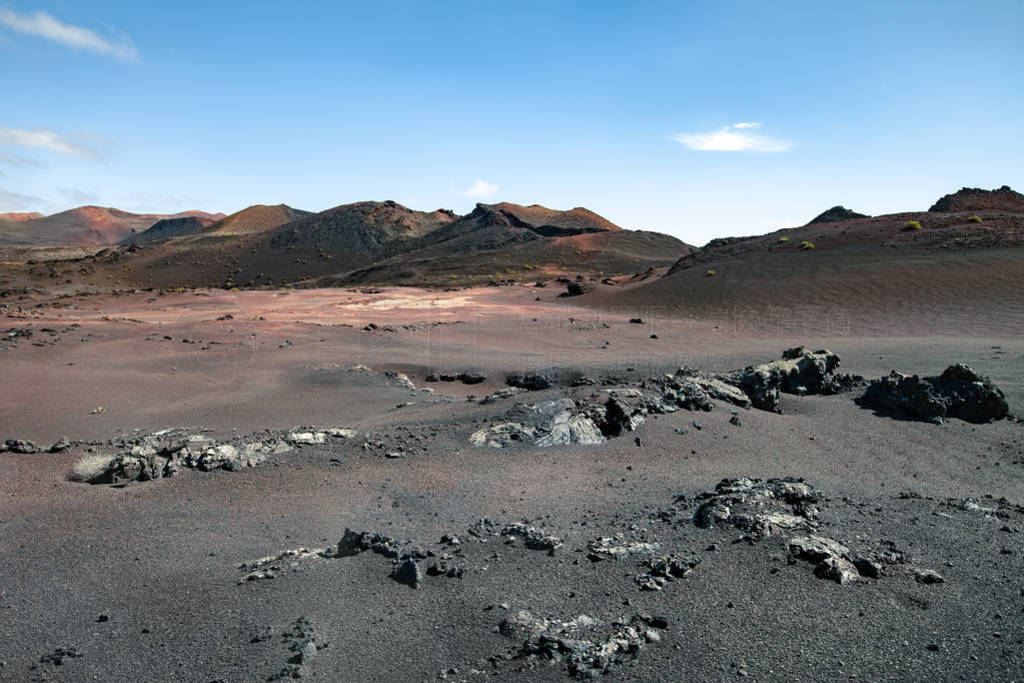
{"points": [[977, 199], [550, 222], [20, 216], [83, 226]]}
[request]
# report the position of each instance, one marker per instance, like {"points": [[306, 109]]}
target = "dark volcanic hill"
{"points": [[169, 228], [387, 242], [362, 227], [508, 241], [976, 199], [836, 214], [919, 268], [550, 222], [84, 226]]}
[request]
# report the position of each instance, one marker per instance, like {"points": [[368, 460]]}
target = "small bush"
{"points": [[975, 219], [710, 273], [911, 225], [783, 239], [89, 468], [806, 245]]}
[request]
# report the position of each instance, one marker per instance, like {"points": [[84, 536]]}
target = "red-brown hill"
{"points": [[20, 216], [256, 218], [976, 199]]}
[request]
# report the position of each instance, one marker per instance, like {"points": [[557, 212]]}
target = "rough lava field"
{"points": [[664, 475]]}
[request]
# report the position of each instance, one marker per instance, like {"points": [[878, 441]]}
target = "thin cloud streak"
{"points": [[13, 201], [732, 138], [18, 162], [43, 138], [46, 26]]}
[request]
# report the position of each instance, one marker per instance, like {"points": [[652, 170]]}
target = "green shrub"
{"points": [[805, 245], [975, 219], [783, 239], [911, 225]]}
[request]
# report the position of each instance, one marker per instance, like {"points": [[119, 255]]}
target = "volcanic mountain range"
{"points": [[388, 243], [363, 242], [84, 226]]}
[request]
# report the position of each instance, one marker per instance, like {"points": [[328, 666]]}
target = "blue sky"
{"points": [[630, 109]]}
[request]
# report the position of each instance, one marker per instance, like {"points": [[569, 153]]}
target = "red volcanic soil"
{"points": [[479, 327], [143, 582]]}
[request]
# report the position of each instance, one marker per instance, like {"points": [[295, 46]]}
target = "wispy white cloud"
{"points": [[481, 189], [733, 138], [20, 161], [12, 201], [47, 26], [43, 138]]}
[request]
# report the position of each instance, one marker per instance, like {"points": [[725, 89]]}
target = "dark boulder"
{"points": [[531, 381], [59, 446], [441, 376], [409, 572], [799, 372], [620, 416], [22, 446], [575, 289], [958, 392]]}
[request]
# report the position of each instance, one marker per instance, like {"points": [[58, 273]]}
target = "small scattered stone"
{"points": [[928, 576]]}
